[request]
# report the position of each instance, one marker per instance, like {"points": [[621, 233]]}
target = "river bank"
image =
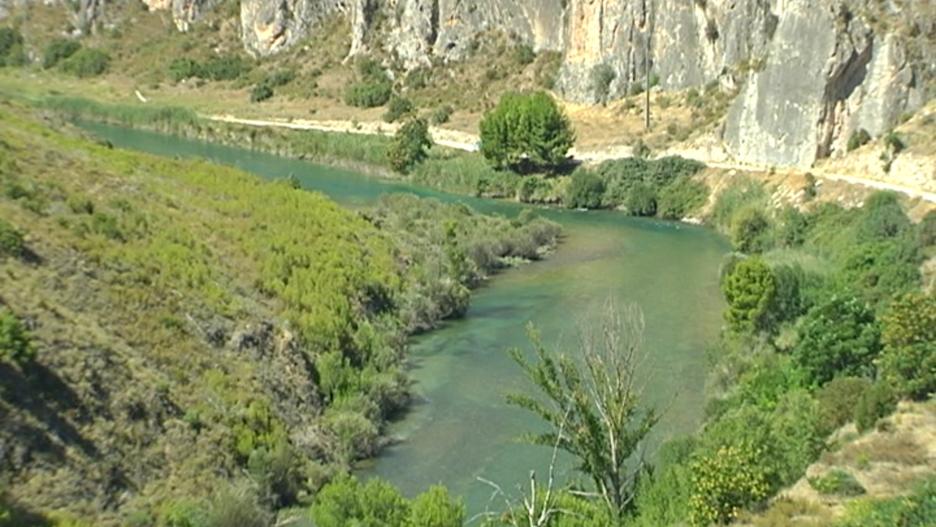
{"points": [[461, 371]]}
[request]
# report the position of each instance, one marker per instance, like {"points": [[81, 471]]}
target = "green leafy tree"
{"points": [[526, 128], [908, 361], [592, 407], [346, 502], [410, 145], [15, 342], [751, 291], [436, 508], [839, 337], [724, 482]]}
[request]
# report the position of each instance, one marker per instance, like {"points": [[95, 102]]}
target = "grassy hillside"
{"points": [[173, 330]]}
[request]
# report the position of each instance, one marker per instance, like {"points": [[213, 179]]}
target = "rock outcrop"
{"points": [[809, 73]]}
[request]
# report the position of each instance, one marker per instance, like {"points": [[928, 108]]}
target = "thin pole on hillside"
{"points": [[647, 81]]}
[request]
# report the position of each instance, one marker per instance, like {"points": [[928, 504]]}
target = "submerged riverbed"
{"points": [[459, 428]]}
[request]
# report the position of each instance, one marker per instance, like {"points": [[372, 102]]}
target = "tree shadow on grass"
{"points": [[40, 392]]}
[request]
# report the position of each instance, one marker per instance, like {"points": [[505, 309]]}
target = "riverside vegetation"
{"points": [[256, 328], [825, 324], [250, 300]]}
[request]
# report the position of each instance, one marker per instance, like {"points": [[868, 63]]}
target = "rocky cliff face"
{"points": [[809, 73]]}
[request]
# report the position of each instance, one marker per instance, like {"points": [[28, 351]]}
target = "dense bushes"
{"points": [[808, 351], [839, 337], [87, 62], [59, 50], [346, 501], [908, 361], [646, 187], [585, 190], [456, 248], [372, 87], [526, 129], [217, 68]]}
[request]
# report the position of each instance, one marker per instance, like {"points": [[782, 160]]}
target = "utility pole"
{"points": [[647, 78]]}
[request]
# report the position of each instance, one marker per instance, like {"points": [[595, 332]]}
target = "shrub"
{"points": [[724, 482], [810, 189], [237, 506], [792, 227], [839, 337], [442, 114], [838, 400], [681, 197], [602, 75], [894, 143], [877, 402], [436, 508], [182, 513], [641, 201], [858, 138], [409, 145], [80, 204], [547, 69], [372, 88], [524, 54], [11, 240], [280, 78], [224, 68], [908, 362], [526, 128], [750, 290], [585, 190], [837, 482], [749, 230], [182, 68], [882, 218], [926, 231], [916, 510], [368, 94], [345, 502], [59, 50], [87, 62], [11, 47], [397, 108], [15, 341], [261, 92]]}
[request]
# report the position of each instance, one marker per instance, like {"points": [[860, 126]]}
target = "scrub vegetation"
{"points": [[247, 336]]}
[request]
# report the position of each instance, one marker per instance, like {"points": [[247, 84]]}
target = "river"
{"points": [[459, 428]]}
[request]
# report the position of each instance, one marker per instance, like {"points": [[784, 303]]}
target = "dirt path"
{"points": [[469, 143]]}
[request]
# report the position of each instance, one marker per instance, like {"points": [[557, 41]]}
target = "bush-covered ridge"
{"points": [[234, 329]]}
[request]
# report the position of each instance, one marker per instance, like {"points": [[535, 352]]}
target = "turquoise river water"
{"points": [[459, 428]]}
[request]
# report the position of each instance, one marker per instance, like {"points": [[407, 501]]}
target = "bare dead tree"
{"points": [[532, 511], [592, 402]]}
